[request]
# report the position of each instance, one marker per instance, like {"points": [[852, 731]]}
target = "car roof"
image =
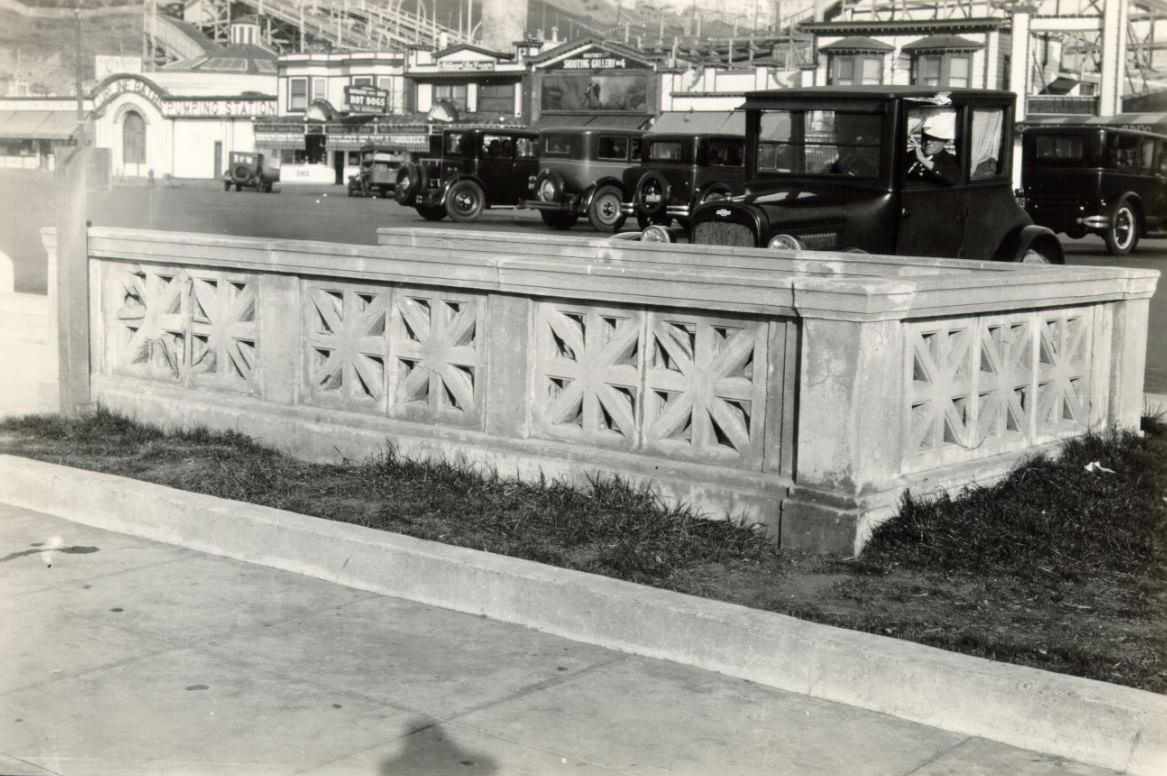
{"points": [[876, 92], [590, 131], [1077, 129], [494, 130], [691, 135]]}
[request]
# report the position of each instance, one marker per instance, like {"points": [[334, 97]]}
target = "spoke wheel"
{"points": [[1123, 233]]}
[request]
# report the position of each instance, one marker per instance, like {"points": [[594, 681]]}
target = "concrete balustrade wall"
{"points": [[804, 392]]}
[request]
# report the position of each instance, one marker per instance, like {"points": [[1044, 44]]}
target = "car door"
{"points": [[496, 167], [933, 213]]}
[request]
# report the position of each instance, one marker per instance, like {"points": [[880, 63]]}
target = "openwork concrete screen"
{"points": [[802, 393]]}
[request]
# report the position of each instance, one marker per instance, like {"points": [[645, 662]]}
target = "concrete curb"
{"points": [[1094, 722]]}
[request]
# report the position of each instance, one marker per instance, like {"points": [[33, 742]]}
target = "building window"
{"points": [[385, 83], [942, 69], [133, 139], [319, 88], [455, 93], [298, 94], [496, 98], [855, 69], [363, 80]]}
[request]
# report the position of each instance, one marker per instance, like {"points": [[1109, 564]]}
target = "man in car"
{"points": [[929, 158]]}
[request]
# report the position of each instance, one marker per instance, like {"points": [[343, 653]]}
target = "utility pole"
{"points": [[77, 59]]}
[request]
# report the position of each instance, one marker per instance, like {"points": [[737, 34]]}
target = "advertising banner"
{"points": [[593, 92], [366, 99]]}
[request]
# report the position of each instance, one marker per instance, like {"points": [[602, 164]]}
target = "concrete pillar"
{"points": [[72, 283], [1019, 62], [1113, 57]]}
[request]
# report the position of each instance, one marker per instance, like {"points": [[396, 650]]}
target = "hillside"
{"points": [[41, 52]]}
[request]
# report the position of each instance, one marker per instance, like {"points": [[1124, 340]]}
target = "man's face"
{"points": [[933, 146]]}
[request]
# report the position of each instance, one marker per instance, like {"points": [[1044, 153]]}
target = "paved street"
{"points": [[326, 213]]}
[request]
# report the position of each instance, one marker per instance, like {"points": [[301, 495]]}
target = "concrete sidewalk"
{"points": [[127, 656]]}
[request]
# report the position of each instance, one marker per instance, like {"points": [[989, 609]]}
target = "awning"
{"points": [[37, 124], [711, 122], [591, 121], [1153, 122]]}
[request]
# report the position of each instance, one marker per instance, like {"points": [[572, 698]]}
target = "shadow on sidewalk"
{"points": [[429, 748]]}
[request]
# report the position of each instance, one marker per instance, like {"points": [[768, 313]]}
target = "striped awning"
{"points": [[38, 124]]}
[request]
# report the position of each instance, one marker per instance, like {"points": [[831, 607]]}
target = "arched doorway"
{"points": [[133, 144]]}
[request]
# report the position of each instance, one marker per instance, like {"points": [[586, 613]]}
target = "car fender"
{"points": [[586, 197], [449, 182], [1031, 236], [716, 186]]}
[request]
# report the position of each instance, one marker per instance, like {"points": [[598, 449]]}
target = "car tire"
{"points": [[431, 212], [241, 171], [1034, 256], [239, 187], [549, 186], [604, 211], [408, 183], [558, 220], [1122, 234], [465, 201], [651, 181], [226, 185]]}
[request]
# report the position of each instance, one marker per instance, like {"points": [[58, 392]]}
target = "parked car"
{"points": [[677, 172], [378, 175], [471, 170], [894, 170], [580, 176], [251, 170], [1109, 181]]}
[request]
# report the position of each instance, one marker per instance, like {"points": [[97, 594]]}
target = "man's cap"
{"points": [[940, 125]]}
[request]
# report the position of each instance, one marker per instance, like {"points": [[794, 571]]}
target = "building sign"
{"points": [[466, 64], [580, 92], [171, 107], [218, 108], [366, 99], [596, 58]]}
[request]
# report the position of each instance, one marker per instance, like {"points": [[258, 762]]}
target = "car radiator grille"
{"points": [[819, 241], [721, 233]]}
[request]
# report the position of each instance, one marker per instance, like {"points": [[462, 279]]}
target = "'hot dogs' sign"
{"points": [[366, 99]]}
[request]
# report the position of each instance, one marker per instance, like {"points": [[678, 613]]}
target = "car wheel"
{"points": [[1034, 256], [239, 187], [1122, 235], [714, 196], [604, 212], [558, 220], [226, 185], [408, 183], [549, 186], [651, 195], [465, 201], [432, 212]]}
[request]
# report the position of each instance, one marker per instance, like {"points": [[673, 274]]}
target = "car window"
{"points": [[664, 151], [724, 152], [1129, 152], [820, 142], [636, 148], [455, 142], [526, 148], [1059, 148], [612, 147], [557, 145], [988, 129], [498, 147], [932, 152]]}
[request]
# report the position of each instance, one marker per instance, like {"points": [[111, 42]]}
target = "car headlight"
{"points": [[784, 242], [656, 233]]}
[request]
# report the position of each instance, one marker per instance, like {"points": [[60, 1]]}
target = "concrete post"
{"points": [[1019, 62], [1113, 57], [72, 283], [1128, 363]]}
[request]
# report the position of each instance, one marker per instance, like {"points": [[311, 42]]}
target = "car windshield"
{"points": [[820, 142]]}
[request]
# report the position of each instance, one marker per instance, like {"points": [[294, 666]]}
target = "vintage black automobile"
{"points": [[677, 172], [379, 166], [247, 169], [1106, 180], [471, 170], [580, 175], [881, 169]]}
